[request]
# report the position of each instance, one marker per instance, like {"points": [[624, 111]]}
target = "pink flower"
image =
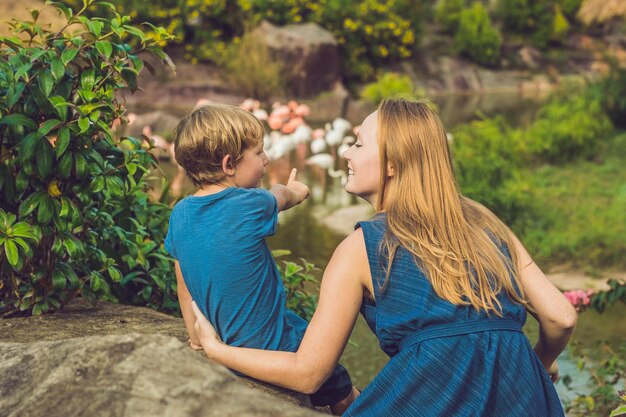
{"points": [[579, 298]]}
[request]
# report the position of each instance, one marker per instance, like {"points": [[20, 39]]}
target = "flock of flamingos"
{"points": [[287, 131]]}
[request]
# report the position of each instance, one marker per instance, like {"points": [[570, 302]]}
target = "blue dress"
{"points": [[446, 360]]}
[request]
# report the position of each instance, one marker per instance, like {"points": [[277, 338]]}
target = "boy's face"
{"points": [[251, 168]]}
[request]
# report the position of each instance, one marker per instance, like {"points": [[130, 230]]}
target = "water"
{"points": [[313, 230]]}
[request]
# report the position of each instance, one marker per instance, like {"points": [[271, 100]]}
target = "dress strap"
{"points": [[457, 329]]}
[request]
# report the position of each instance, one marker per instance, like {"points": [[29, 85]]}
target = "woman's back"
{"points": [[446, 360]]}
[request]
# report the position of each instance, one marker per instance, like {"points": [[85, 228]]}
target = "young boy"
{"points": [[217, 237]]}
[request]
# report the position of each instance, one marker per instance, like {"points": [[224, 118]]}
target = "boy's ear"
{"points": [[228, 165]]}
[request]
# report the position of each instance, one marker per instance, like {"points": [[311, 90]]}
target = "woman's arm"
{"points": [[184, 299], [556, 316], [325, 338]]}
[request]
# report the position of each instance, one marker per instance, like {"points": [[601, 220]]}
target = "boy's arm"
{"points": [[184, 299], [291, 194]]}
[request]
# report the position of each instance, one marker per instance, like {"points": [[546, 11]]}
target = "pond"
{"points": [[313, 230]]}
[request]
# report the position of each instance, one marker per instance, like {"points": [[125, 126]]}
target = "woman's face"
{"points": [[364, 162]]}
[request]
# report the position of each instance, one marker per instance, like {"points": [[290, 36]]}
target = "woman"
{"points": [[442, 283]]}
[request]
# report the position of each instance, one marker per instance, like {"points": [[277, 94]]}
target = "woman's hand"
{"points": [[205, 331], [553, 371]]}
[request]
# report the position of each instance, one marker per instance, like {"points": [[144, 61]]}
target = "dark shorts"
{"points": [[336, 388]]}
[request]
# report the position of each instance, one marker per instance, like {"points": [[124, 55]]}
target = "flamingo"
{"points": [[326, 162]]}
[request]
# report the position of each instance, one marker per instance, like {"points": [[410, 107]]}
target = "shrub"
{"points": [[76, 218], [248, 67], [568, 127], [448, 14], [390, 84], [611, 92], [296, 278], [539, 20], [476, 36], [370, 32], [487, 158]]}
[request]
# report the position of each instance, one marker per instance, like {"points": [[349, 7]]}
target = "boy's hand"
{"points": [[300, 190]]}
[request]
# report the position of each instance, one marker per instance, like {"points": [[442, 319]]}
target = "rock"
{"points": [[79, 321], [530, 57], [328, 105], [310, 52], [124, 375]]}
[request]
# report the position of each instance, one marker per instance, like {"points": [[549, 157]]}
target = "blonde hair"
{"points": [[454, 240], [203, 138]]}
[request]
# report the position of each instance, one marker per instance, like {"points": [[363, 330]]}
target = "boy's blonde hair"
{"points": [[203, 138]]}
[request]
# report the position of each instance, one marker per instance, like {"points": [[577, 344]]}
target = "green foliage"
{"points": [[249, 68], [76, 216], [611, 92], [606, 373], [487, 158], [540, 20], [390, 84], [370, 32], [448, 14], [570, 126], [296, 278], [477, 37]]}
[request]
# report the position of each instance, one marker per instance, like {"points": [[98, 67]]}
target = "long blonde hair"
{"points": [[454, 240]]}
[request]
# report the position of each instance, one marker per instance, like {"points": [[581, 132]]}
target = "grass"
{"points": [[581, 210]]}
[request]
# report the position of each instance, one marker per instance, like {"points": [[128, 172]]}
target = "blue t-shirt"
{"points": [[219, 241]]}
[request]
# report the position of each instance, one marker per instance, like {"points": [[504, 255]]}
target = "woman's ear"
{"points": [[390, 170], [228, 165]]}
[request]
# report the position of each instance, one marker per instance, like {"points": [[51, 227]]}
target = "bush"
{"points": [[611, 92], [568, 127], [448, 14], [476, 36], [390, 84], [487, 158], [248, 67], [76, 218], [370, 32], [540, 20]]}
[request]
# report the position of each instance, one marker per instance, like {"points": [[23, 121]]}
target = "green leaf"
{"points": [[619, 411], [18, 120], [46, 82], [45, 157], [97, 184], [105, 48], [15, 94], [60, 105], [63, 140], [83, 124], [47, 126], [68, 55], [30, 204], [66, 10], [65, 165], [115, 274], [11, 252], [58, 280], [88, 79], [81, 165], [57, 67], [28, 146], [45, 210], [130, 77]]}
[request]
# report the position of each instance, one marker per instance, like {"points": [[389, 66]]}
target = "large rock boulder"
{"points": [[61, 363], [310, 53], [124, 375]]}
